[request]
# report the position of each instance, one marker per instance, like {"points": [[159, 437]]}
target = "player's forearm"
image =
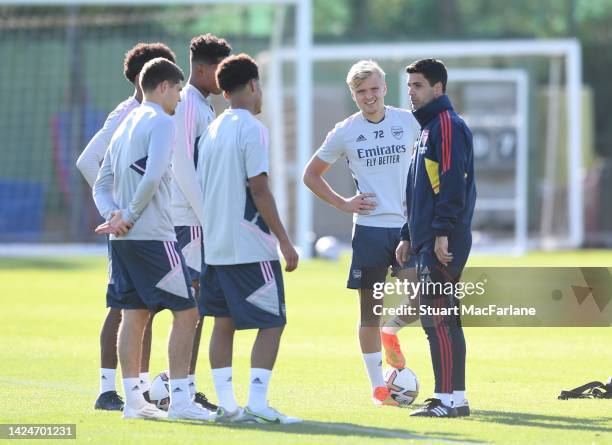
{"points": [[266, 206], [89, 161], [148, 185], [104, 202], [102, 191], [88, 169], [322, 189], [158, 162], [143, 195]]}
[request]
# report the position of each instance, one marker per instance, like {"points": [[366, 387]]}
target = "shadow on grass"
{"points": [[47, 263], [602, 424], [310, 427]]}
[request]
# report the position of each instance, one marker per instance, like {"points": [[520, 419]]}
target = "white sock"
{"points": [[179, 393], [445, 398], [224, 387], [373, 363], [393, 330], [107, 379], [192, 387], [458, 397], [133, 392], [258, 388], [145, 385]]}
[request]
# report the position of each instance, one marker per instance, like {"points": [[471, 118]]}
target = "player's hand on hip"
{"points": [[360, 203], [441, 250], [290, 254], [402, 252]]}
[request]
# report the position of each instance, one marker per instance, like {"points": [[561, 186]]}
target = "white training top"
{"points": [[378, 155], [92, 156], [193, 115], [135, 175], [234, 149]]}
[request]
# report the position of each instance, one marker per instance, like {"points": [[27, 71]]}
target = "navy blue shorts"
{"points": [[251, 294], [189, 240], [150, 275], [373, 254]]}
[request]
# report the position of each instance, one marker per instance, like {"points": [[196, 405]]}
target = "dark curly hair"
{"points": [[209, 49], [236, 71], [140, 54]]}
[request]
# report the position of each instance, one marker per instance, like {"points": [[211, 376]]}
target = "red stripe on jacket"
{"points": [[445, 123]]}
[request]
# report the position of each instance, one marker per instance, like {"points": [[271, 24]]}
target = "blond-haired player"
{"points": [[377, 143]]}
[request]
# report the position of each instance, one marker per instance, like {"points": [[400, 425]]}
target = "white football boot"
{"points": [[146, 411], [270, 415], [192, 411], [237, 416]]}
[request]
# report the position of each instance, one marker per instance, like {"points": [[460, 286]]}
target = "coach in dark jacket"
{"points": [[440, 199]]}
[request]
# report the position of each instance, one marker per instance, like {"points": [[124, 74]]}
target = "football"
{"points": [[159, 392], [328, 248], [403, 385]]}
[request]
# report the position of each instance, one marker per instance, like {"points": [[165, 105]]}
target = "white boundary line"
{"points": [[19, 250]]}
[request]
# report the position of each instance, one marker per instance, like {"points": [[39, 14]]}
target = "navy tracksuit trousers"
{"points": [[444, 332]]}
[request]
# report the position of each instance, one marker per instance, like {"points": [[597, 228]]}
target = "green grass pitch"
{"points": [[49, 359]]}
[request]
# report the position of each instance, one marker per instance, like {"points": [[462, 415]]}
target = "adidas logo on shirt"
{"points": [[361, 138], [256, 381], [177, 390], [136, 388]]}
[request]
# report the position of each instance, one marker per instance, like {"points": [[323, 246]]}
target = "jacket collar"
{"points": [[425, 114]]}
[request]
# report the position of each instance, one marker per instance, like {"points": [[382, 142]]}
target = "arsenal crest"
{"points": [[397, 132]]}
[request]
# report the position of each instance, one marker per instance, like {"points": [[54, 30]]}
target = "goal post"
{"points": [[289, 111]]}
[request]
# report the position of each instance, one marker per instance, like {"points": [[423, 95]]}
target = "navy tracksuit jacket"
{"points": [[440, 199], [441, 192]]}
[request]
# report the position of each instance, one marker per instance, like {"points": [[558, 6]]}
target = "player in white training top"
{"points": [[242, 281], [377, 143], [89, 164], [193, 115]]}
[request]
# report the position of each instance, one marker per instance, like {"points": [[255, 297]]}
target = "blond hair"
{"points": [[361, 71]]}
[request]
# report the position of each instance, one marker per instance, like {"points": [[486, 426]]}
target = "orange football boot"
{"points": [[393, 353], [382, 397]]}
